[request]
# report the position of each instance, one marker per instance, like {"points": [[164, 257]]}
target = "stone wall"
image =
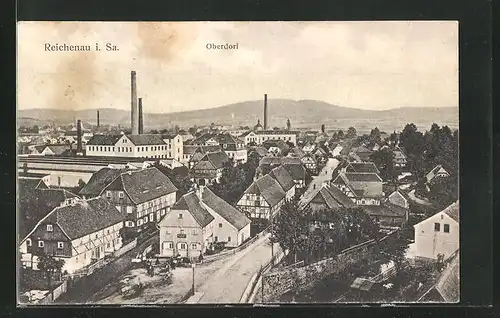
{"points": [[277, 283]]}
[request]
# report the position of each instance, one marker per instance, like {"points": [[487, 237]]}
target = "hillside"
{"points": [[302, 114]]}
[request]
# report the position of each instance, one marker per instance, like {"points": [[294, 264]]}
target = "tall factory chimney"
{"points": [[135, 122], [79, 148], [97, 118], [141, 118], [265, 111]]}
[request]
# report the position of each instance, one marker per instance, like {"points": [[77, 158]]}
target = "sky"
{"points": [[368, 65]]}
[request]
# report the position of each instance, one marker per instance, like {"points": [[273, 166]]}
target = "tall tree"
{"points": [[375, 135], [383, 159], [49, 266], [340, 134], [323, 128], [351, 132], [359, 226]]}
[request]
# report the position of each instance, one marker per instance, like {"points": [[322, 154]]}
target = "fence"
{"points": [[56, 292], [279, 282], [218, 256], [126, 248]]}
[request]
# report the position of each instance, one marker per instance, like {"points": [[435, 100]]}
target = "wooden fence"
{"points": [[56, 292], [126, 248]]}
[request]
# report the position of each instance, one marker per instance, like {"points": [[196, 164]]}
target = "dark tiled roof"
{"points": [[224, 209], [453, 210], [104, 140], [389, 210], [209, 148], [144, 185], [191, 203], [363, 167], [362, 177], [212, 160], [362, 149], [268, 188], [36, 204], [290, 161], [146, 140], [202, 139], [283, 177], [298, 172], [448, 284], [87, 216], [269, 161], [341, 197], [189, 149], [100, 180], [227, 139], [59, 149], [262, 151], [297, 152], [28, 184], [169, 136]]}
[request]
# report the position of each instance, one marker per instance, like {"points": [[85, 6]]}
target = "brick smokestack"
{"points": [[133, 88], [97, 118], [79, 148], [265, 111], [141, 118]]}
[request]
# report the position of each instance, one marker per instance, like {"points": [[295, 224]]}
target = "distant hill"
{"points": [[302, 114]]}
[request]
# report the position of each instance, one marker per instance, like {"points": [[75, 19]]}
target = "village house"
{"points": [[296, 152], [276, 147], [321, 155], [258, 137], [175, 146], [209, 168], [261, 151], [79, 233], [232, 146], [438, 234], [263, 199], [399, 199], [362, 188], [285, 180], [387, 215], [447, 287], [327, 198], [230, 225], [137, 146], [309, 147], [193, 153], [298, 174], [187, 230], [400, 159], [362, 153], [52, 150], [436, 173], [310, 163], [362, 167], [143, 196]]}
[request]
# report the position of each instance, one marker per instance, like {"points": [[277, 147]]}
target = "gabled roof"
{"points": [[100, 180], [298, 172], [384, 209], [191, 203], [103, 140], [448, 285], [212, 160], [297, 152], [243, 135], [24, 185], [143, 185], [276, 132], [34, 205], [361, 177], [453, 210], [363, 167], [283, 177], [291, 161], [203, 138], [190, 149], [227, 139], [146, 139], [169, 136], [262, 151], [341, 197], [434, 171], [87, 216], [270, 161], [59, 149], [362, 149], [268, 188], [235, 217]]}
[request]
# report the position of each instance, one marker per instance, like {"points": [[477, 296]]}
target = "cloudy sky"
{"points": [[369, 65]]}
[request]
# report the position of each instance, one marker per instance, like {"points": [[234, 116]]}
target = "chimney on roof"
{"points": [[265, 111], [97, 118], [79, 136], [134, 115], [141, 118]]}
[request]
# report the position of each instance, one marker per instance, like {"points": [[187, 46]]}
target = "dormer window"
{"points": [[49, 228], [40, 244], [108, 194], [121, 194], [180, 215]]}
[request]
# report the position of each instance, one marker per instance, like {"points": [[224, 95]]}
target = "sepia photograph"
{"points": [[252, 163]]}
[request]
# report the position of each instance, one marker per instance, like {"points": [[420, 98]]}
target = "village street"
{"points": [[221, 281], [324, 175]]}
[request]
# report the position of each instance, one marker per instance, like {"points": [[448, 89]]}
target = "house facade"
{"points": [[175, 146], [436, 173], [285, 180], [263, 199], [79, 234], [136, 146], [260, 136], [400, 159], [209, 168], [142, 196], [438, 234], [187, 230], [310, 163], [362, 188]]}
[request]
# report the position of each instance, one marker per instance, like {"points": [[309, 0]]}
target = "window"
{"points": [[151, 217], [108, 194], [49, 228], [229, 238], [107, 245], [195, 232], [437, 227], [107, 231], [40, 244], [28, 242], [216, 239], [446, 228], [220, 224], [129, 223], [121, 194], [183, 246], [194, 246], [180, 215], [129, 209], [60, 245], [139, 222]]}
